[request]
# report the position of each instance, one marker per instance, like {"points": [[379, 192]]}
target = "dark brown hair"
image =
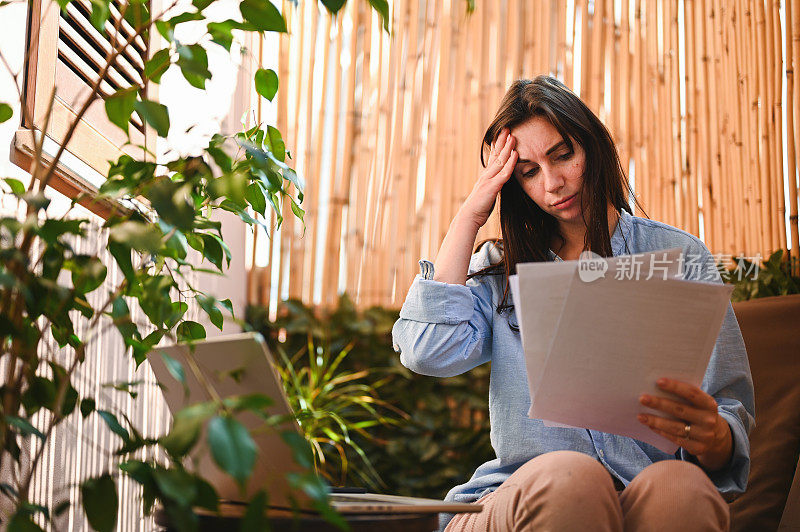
{"points": [[527, 230]]}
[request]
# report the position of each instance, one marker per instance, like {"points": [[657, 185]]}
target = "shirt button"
{"points": [[600, 453]]}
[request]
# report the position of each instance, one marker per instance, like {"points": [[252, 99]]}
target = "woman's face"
{"points": [[548, 171]]}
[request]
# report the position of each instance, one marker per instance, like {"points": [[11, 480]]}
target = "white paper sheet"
{"points": [[592, 348], [540, 290]]}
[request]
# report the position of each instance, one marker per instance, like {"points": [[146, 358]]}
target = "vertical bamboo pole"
{"points": [[460, 97], [315, 176], [584, 51], [520, 43], [561, 40], [355, 188], [623, 86], [305, 269], [406, 177], [383, 277], [569, 55], [743, 122], [776, 112], [398, 47], [340, 196], [763, 103], [331, 256], [596, 62], [717, 191], [752, 83], [367, 275], [401, 49], [530, 36], [614, 61], [690, 80], [671, 105], [545, 23], [730, 141], [658, 177], [642, 133], [795, 22], [436, 160], [703, 99], [683, 208], [367, 144], [790, 130], [450, 109], [289, 235]]}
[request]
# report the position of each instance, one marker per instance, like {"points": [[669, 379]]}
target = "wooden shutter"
{"points": [[66, 55]]}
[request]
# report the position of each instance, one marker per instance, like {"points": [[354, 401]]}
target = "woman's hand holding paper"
{"points": [[693, 423]]}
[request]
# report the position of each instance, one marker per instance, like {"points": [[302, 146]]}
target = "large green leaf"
{"points": [[122, 254], [23, 426], [262, 15], [100, 502], [173, 202], [266, 83], [209, 305], [212, 250], [232, 447], [255, 197], [175, 368], [21, 522], [154, 114], [157, 65], [334, 5], [53, 228], [15, 184], [113, 424], [177, 485], [193, 62], [137, 235], [88, 273], [276, 144], [186, 427], [119, 107], [190, 330], [382, 7], [5, 112], [222, 32], [99, 15]]}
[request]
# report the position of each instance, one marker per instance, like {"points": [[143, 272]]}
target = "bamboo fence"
{"points": [[385, 128]]}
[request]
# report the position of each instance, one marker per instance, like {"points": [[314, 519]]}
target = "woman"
{"points": [[562, 191]]}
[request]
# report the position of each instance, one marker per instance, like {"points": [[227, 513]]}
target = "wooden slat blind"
{"points": [[67, 54], [84, 50]]}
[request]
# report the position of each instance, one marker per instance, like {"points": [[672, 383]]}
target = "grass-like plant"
{"points": [[333, 403]]}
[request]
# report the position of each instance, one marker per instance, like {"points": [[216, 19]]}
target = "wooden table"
{"points": [[307, 522]]}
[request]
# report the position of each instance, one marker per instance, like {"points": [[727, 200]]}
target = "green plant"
{"points": [[333, 405], [773, 277], [159, 230], [447, 432]]}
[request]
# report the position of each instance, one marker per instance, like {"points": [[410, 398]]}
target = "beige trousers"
{"points": [[566, 490]]}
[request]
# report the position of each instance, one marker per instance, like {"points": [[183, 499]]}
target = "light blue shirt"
{"points": [[448, 329]]}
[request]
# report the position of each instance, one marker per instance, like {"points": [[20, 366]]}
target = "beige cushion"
{"points": [[771, 331]]}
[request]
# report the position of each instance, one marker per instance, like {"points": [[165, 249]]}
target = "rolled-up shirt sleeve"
{"points": [[728, 380], [444, 329]]}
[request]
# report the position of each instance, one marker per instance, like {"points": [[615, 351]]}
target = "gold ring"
{"points": [[686, 430]]}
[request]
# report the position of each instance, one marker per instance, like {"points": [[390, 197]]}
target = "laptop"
{"points": [[242, 364]]}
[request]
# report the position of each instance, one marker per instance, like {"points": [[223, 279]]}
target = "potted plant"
{"points": [[159, 230]]}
